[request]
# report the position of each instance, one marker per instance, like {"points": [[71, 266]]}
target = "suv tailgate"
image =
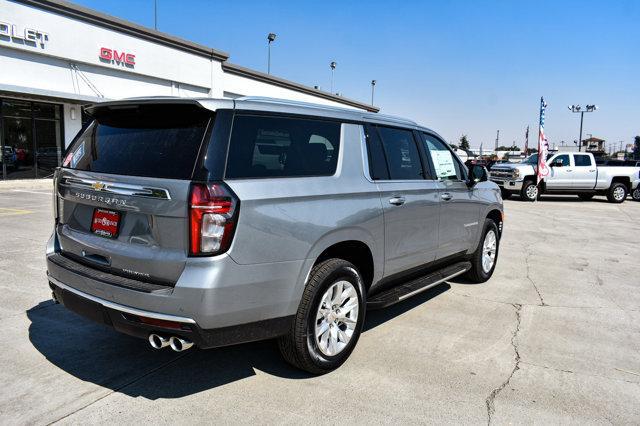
{"points": [[123, 190]]}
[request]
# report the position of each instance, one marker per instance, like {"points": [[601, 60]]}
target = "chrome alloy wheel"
{"points": [[489, 251], [532, 192], [336, 318], [618, 193]]}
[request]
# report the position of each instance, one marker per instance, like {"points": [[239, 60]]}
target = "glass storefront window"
{"points": [[31, 138], [15, 108], [49, 111]]}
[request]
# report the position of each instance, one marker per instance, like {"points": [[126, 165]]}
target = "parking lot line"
{"points": [[13, 212]]}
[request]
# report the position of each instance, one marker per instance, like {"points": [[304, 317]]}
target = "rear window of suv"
{"points": [[144, 140], [273, 146]]}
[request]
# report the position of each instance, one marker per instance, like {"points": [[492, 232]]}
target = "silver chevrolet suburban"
{"points": [[212, 222]]}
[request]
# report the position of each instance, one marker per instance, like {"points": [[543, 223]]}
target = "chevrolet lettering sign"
{"points": [[12, 32]]}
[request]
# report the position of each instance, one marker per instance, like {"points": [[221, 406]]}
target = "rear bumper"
{"points": [[129, 321], [508, 184], [220, 301]]}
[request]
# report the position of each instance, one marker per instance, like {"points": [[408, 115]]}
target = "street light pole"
{"points": [[333, 65], [576, 109], [373, 85], [270, 38], [580, 138]]}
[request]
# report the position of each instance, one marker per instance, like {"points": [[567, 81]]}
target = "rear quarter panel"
{"points": [[285, 219], [487, 194], [607, 173]]}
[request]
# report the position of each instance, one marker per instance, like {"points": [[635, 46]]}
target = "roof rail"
{"points": [[378, 116], [269, 100]]}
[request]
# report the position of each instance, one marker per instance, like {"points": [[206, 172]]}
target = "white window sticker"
{"points": [[443, 162], [77, 155]]}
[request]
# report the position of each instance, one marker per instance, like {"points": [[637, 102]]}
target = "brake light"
{"points": [[55, 195], [212, 218]]}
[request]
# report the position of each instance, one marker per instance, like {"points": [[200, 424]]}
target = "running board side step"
{"points": [[403, 291]]}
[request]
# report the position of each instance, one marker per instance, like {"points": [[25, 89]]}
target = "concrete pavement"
{"points": [[554, 336]]}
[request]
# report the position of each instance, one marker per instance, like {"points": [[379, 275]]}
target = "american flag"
{"points": [[543, 146]]}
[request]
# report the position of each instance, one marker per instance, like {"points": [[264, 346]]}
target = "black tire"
{"points": [[617, 192], [636, 194], [477, 274], [505, 194], [585, 197], [299, 347], [525, 192]]}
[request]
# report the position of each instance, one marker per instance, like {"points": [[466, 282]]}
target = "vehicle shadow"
{"points": [[565, 198], [464, 281], [100, 355]]}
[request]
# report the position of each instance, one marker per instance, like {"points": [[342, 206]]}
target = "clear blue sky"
{"points": [[456, 66]]}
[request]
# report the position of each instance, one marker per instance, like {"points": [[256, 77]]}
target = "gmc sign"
{"points": [[119, 58]]}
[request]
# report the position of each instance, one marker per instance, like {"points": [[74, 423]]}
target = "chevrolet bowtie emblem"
{"points": [[98, 186]]}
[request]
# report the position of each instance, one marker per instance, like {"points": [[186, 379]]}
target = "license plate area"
{"points": [[105, 223]]}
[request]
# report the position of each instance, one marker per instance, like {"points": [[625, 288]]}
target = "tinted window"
{"points": [[561, 159], [403, 158], [154, 140], [445, 164], [581, 160], [377, 161], [282, 146]]}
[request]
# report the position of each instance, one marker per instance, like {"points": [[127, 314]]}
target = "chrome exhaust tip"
{"points": [[158, 342], [179, 344]]}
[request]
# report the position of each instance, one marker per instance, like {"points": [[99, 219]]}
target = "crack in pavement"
{"points": [[502, 302], [526, 261], [494, 393]]}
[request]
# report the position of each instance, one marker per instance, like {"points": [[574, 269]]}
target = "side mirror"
{"points": [[477, 174], [556, 164]]}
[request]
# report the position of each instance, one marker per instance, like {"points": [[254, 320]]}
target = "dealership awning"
{"points": [[49, 95]]}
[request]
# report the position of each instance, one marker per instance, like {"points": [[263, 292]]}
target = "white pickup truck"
{"points": [[569, 173]]}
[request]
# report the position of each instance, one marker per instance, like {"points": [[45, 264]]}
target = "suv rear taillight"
{"points": [[56, 210], [212, 218]]}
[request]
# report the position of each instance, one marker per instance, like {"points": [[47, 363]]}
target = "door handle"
{"points": [[446, 196], [591, 171], [396, 201], [569, 170]]}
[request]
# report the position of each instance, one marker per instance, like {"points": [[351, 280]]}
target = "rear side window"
{"points": [[581, 160], [264, 146], [153, 140], [377, 161], [403, 157]]}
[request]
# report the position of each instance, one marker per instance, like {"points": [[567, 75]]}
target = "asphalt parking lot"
{"points": [[554, 336]]}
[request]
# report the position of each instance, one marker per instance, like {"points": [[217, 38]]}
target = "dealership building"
{"points": [[56, 57]]}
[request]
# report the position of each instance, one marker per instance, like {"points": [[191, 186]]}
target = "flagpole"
{"points": [[543, 169], [539, 146]]}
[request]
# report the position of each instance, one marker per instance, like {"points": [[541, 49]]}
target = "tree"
{"points": [[508, 148], [464, 142], [636, 148]]}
